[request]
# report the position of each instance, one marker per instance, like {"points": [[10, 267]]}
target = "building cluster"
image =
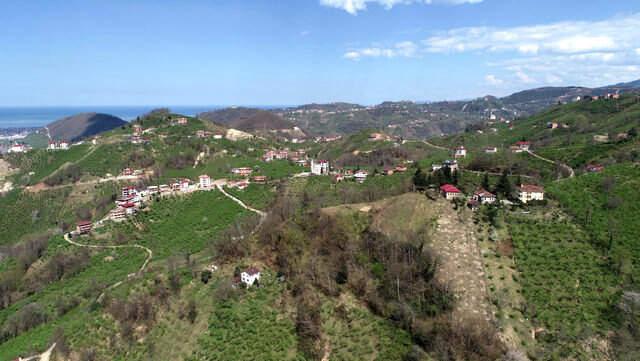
{"points": [[451, 164], [521, 146], [18, 147], [328, 139], [58, 145], [297, 156], [208, 134], [526, 193]]}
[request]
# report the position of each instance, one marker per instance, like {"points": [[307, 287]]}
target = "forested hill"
{"points": [[83, 125]]}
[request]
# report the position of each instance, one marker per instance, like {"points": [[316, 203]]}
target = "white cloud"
{"points": [[525, 78], [493, 80], [589, 53], [405, 49], [615, 34], [354, 6]]}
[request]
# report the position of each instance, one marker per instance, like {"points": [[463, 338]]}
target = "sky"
{"points": [[288, 52]]}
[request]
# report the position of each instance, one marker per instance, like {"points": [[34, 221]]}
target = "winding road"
{"points": [[94, 246], [572, 173]]}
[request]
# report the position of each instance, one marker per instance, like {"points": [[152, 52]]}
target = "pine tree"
{"points": [[485, 182], [504, 185]]}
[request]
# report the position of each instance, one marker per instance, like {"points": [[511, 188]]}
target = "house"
{"points": [[18, 148], [152, 189], [127, 172], [241, 184], [388, 171], [320, 167], [436, 167], [137, 129], [601, 138], [129, 208], [250, 276], [338, 178], [118, 214], [182, 121], [242, 171], [203, 134], [84, 227], [64, 145], [376, 137], [164, 188], [275, 155], [129, 191], [218, 136], [260, 179], [530, 192], [552, 125], [523, 145], [483, 196], [401, 169], [361, 176], [451, 164], [450, 192], [205, 182], [460, 152], [595, 168], [491, 150]]}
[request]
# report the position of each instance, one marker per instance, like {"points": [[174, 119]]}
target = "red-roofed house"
{"points": [[530, 192], [84, 227], [129, 191], [260, 179], [595, 168], [450, 191], [242, 171], [250, 276], [523, 145]]}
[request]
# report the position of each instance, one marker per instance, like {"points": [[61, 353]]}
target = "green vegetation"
{"points": [[566, 282], [258, 196], [250, 328], [607, 205]]}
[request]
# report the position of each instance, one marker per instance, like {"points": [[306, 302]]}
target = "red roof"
{"points": [[523, 142], [483, 193], [84, 223], [252, 271], [128, 205], [531, 188], [449, 188]]}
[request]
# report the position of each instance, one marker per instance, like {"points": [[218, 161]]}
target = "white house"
{"points": [[530, 192], [205, 182], [18, 148], [460, 152], [250, 276], [320, 167], [361, 176], [483, 196], [491, 150]]}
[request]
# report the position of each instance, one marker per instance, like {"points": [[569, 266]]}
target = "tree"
{"points": [[205, 276], [192, 311], [504, 185], [419, 179], [633, 132], [485, 182]]}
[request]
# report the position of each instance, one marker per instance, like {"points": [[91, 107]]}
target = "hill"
{"points": [[255, 121], [423, 120], [83, 125]]}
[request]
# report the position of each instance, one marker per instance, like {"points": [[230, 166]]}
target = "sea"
{"points": [[30, 117], [35, 117]]}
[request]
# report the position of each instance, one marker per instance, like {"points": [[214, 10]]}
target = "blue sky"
{"points": [[234, 52]]}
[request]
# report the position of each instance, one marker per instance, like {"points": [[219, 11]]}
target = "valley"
{"points": [[166, 239]]}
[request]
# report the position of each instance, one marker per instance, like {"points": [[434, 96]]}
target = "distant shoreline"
{"points": [[37, 117]]}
